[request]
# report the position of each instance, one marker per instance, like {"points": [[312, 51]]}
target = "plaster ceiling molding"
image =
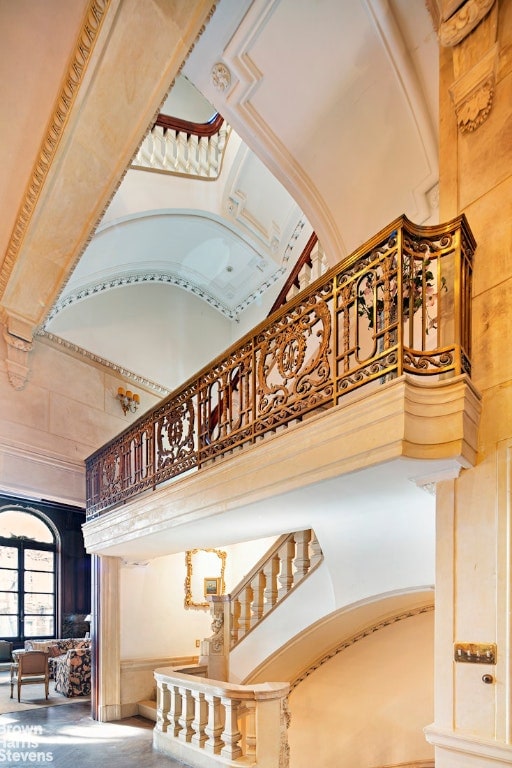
{"points": [[221, 77], [350, 171], [236, 103], [258, 204], [408, 82], [199, 252]]}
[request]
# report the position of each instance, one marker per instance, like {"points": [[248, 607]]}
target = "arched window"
{"points": [[27, 576]]}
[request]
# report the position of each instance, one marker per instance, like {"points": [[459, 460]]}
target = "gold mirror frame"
{"points": [[209, 570]]}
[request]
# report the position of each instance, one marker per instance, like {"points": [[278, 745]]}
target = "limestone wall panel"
{"points": [[478, 171], [492, 362]]}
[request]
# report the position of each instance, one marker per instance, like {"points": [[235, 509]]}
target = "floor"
{"points": [[67, 737]]}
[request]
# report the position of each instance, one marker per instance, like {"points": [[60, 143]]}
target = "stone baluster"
{"points": [[162, 706], [301, 563], [245, 610], [235, 620], [258, 588], [231, 735], [304, 277], [215, 150], [200, 719], [175, 707], [270, 569], [250, 731], [214, 725], [182, 152], [171, 150], [193, 154], [202, 156], [315, 550], [285, 577], [318, 261], [159, 147], [186, 717]]}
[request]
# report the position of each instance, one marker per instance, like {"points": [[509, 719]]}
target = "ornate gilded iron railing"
{"points": [[399, 304]]}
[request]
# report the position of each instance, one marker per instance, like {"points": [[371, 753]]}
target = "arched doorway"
{"points": [[28, 575]]}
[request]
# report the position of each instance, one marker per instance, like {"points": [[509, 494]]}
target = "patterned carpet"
{"points": [[32, 696]]}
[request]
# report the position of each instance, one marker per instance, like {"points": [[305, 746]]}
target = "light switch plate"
{"points": [[475, 653]]}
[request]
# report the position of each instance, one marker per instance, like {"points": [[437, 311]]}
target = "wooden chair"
{"points": [[30, 668]]}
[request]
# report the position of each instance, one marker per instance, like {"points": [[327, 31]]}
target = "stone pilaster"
{"points": [[473, 697], [106, 639]]}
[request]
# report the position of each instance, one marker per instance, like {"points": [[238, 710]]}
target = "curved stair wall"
{"points": [[290, 563]]}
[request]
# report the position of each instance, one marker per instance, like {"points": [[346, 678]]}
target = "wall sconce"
{"points": [[130, 401]]}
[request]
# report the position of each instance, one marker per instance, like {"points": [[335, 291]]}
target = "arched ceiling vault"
{"points": [[333, 113]]}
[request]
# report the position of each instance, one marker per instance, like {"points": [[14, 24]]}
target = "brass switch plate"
{"points": [[475, 653]]}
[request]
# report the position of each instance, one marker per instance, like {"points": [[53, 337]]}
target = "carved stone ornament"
{"points": [[221, 77], [473, 93], [17, 360], [457, 27]]}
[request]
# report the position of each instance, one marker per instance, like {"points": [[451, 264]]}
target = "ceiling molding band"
{"points": [[92, 23]]}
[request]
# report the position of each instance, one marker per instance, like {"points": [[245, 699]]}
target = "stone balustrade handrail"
{"points": [[287, 562], [205, 722], [181, 151]]}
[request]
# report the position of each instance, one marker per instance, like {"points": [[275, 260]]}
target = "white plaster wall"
{"points": [[302, 607], [154, 620], [368, 705], [370, 546], [190, 333]]}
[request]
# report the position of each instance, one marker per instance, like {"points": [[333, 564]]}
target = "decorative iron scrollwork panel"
{"points": [[226, 404], [293, 363], [175, 436]]}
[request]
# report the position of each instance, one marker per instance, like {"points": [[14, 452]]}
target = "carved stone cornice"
{"points": [[74, 349], [473, 93], [72, 80], [452, 31]]}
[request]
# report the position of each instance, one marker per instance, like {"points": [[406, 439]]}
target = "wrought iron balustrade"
{"points": [[399, 304]]}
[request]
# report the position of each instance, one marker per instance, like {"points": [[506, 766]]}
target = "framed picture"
{"points": [[211, 586], [197, 587]]}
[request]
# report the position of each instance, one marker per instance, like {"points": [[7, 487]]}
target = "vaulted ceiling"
{"points": [[332, 113]]}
